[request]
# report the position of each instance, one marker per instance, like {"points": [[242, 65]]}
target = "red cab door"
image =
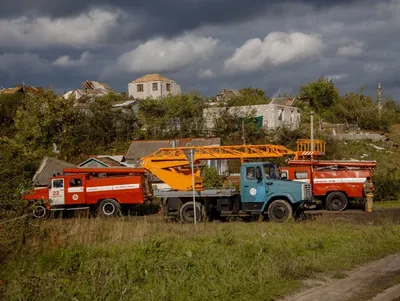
{"points": [[76, 190]]}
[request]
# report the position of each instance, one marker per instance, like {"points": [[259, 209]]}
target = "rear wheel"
{"points": [[280, 211], [109, 208], [40, 212], [186, 213], [336, 201]]}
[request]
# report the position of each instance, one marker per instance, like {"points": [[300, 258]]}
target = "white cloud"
{"points": [[160, 54], [86, 29], [208, 73], [336, 76], [277, 48], [354, 49], [67, 61]]}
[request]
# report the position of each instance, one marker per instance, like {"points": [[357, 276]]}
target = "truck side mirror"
{"points": [[258, 173]]}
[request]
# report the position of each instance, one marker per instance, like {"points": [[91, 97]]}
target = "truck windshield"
{"points": [[271, 171]]}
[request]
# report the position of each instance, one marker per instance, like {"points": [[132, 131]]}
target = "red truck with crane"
{"points": [[263, 193], [108, 190], [335, 182]]}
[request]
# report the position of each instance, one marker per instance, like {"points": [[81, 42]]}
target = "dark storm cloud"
{"points": [[162, 17], [339, 23], [214, 10]]}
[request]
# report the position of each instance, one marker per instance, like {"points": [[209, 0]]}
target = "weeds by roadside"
{"points": [[145, 259]]}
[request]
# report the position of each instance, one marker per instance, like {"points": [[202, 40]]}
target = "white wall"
{"points": [[148, 89], [274, 115]]}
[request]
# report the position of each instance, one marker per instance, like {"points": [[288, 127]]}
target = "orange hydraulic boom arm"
{"points": [[171, 164]]}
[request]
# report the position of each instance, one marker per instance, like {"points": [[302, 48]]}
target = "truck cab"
{"points": [[262, 193], [262, 190]]}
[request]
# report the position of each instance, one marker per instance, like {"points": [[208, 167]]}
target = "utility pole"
{"points": [[379, 99], [194, 194], [190, 157], [312, 130], [243, 133]]}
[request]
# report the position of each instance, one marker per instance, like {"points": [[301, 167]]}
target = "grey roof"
{"points": [[143, 148], [285, 101], [47, 168]]}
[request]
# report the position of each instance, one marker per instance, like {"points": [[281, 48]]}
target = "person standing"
{"points": [[368, 188]]}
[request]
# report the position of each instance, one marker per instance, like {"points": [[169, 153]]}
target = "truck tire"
{"points": [[280, 211], [109, 208], [186, 213], [40, 212], [336, 201]]}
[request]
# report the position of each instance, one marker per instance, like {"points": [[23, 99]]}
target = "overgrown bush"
{"points": [[387, 186], [211, 178], [16, 171]]}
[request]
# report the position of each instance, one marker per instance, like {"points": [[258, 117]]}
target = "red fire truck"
{"points": [[104, 190], [335, 182]]}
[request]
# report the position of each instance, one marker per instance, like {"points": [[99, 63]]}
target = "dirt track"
{"points": [[352, 287]]}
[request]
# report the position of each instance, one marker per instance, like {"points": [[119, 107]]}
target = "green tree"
{"points": [[247, 97], [46, 120], [252, 92], [179, 116], [228, 126], [9, 104], [321, 93], [17, 168], [211, 178], [362, 110]]}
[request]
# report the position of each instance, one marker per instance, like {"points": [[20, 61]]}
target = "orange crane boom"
{"points": [[171, 164]]}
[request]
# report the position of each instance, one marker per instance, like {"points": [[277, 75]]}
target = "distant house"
{"points": [[48, 168], [127, 105], [227, 94], [269, 116], [22, 89], [103, 161], [153, 86], [142, 148], [87, 94]]}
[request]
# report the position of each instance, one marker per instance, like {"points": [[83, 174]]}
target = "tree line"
{"points": [[35, 125]]}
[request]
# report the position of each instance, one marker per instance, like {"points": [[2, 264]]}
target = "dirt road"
{"points": [[362, 283]]}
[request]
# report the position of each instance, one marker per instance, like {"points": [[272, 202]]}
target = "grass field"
{"points": [[147, 259], [387, 204]]}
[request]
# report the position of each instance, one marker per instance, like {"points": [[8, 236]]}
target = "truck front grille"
{"points": [[307, 191]]}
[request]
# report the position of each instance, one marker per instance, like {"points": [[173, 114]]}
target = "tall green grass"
{"points": [[146, 259]]}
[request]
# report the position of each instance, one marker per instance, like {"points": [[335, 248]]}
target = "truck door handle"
{"points": [[246, 185]]}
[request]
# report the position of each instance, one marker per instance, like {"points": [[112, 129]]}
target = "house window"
{"points": [[155, 86], [280, 113], [140, 88], [168, 87]]}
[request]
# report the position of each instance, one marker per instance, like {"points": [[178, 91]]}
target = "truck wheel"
{"points": [[109, 208], [186, 213], [336, 201], [280, 211], [40, 212]]}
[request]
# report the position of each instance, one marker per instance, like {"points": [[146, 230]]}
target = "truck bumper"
{"points": [[308, 205]]}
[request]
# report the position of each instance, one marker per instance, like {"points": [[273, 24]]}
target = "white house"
{"points": [[272, 116], [154, 86]]}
